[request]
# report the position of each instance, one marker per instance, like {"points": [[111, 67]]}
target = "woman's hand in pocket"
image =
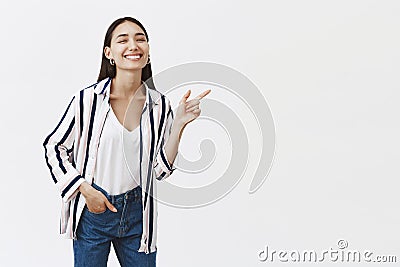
{"points": [[96, 201]]}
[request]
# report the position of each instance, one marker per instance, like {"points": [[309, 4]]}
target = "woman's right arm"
{"points": [[58, 145]]}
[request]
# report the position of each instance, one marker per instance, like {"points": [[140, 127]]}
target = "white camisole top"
{"points": [[118, 159]]}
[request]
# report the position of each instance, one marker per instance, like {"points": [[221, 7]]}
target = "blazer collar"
{"points": [[103, 88]]}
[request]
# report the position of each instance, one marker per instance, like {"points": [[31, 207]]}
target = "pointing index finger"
{"points": [[200, 96]]}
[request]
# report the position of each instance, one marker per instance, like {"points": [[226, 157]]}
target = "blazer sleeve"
{"points": [[162, 167], [58, 146]]}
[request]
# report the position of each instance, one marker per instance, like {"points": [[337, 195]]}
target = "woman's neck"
{"points": [[126, 84]]}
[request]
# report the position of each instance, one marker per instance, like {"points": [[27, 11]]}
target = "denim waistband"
{"points": [[134, 194]]}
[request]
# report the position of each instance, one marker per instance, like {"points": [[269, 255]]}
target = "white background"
{"points": [[328, 69]]}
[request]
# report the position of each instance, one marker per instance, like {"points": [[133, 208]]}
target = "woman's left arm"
{"points": [[186, 112]]}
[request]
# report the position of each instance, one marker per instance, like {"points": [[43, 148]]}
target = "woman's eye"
{"points": [[142, 40], [122, 41]]}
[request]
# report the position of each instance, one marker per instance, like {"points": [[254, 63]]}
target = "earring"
{"points": [[148, 60], [112, 62]]}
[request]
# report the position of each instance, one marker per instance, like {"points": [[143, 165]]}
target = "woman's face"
{"points": [[129, 47]]}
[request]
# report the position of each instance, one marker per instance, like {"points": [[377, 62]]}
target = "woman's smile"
{"points": [[133, 57]]}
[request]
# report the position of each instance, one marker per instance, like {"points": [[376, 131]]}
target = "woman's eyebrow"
{"points": [[125, 34]]}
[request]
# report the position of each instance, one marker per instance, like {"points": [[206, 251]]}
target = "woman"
{"points": [[114, 138]]}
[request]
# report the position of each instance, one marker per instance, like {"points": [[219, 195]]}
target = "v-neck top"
{"points": [[117, 165]]}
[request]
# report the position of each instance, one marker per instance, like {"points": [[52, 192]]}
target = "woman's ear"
{"points": [[107, 52]]}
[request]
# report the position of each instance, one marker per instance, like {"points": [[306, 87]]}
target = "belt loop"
{"points": [[137, 194]]}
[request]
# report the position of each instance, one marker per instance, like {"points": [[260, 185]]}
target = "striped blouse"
{"points": [[71, 150]]}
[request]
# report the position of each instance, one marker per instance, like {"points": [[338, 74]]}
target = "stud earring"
{"points": [[112, 62]]}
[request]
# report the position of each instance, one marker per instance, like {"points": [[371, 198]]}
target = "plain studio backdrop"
{"points": [[328, 69]]}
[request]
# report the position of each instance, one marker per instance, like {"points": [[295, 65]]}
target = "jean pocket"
{"points": [[95, 213]]}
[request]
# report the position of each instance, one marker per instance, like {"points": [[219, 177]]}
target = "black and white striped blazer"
{"points": [[71, 149]]}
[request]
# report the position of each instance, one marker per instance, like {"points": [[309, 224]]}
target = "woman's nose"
{"points": [[132, 44]]}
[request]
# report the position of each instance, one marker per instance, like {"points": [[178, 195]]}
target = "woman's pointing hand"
{"points": [[187, 111]]}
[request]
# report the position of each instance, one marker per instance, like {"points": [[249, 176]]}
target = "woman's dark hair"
{"points": [[108, 70]]}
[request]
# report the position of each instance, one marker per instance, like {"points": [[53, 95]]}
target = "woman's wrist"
{"points": [[178, 124], [178, 127], [84, 188]]}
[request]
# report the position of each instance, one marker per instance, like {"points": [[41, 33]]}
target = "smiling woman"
{"points": [[125, 41], [106, 181]]}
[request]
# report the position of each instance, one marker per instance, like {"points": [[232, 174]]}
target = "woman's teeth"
{"points": [[133, 57]]}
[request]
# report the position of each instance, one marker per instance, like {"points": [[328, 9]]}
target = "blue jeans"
{"points": [[96, 232]]}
